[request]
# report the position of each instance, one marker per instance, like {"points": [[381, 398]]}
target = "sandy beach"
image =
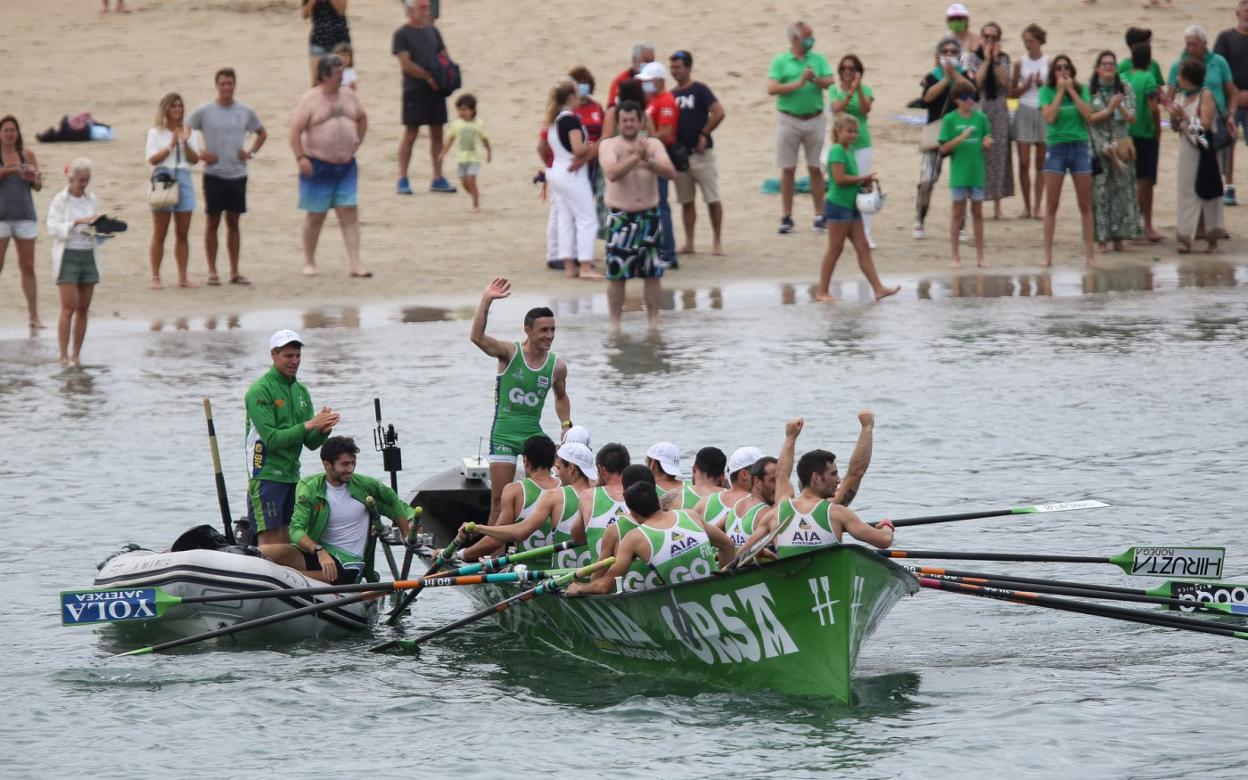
{"points": [[64, 57]]}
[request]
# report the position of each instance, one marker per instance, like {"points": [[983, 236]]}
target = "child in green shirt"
{"points": [[965, 135]]}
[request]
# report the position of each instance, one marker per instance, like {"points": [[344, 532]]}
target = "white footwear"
{"points": [[919, 235], [963, 235], [871, 243]]}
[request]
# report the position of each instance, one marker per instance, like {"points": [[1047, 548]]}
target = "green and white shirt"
{"points": [[800, 531]]}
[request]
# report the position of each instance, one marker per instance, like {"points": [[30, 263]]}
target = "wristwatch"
{"points": [[316, 548]]}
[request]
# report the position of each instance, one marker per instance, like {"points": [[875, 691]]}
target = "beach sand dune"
{"points": [[64, 57]]}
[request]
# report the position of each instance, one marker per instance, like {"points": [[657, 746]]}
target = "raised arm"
{"points": [[503, 351], [784, 466], [859, 461], [1050, 110]]}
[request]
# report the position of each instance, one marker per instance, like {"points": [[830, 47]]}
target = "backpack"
{"points": [[446, 73]]}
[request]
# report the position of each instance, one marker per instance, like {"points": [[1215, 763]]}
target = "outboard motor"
{"points": [[206, 537]]}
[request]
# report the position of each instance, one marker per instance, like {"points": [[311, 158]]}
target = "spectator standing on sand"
{"points": [[224, 125], [797, 77], [1115, 205], [664, 115], [1232, 45], [469, 132], [1065, 104], [966, 138], [417, 45], [568, 179], [990, 67], [938, 99], [1027, 130], [700, 112], [329, 28], [19, 177], [75, 257], [592, 116], [1199, 197], [851, 96], [171, 149], [958, 20], [1218, 80], [1145, 131], [328, 127]]}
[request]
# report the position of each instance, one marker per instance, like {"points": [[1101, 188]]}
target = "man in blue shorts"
{"points": [[328, 127], [632, 165]]}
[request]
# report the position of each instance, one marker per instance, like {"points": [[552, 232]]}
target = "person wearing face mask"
{"points": [[990, 67], [798, 77], [640, 55], [664, 114], [592, 116], [958, 20]]}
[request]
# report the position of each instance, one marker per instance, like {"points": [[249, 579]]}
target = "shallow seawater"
{"points": [[991, 390]]}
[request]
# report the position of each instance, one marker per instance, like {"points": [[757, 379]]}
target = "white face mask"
{"points": [[649, 87], [582, 90]]}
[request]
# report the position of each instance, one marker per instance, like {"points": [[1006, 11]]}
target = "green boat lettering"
{"points": [[718, 635]]}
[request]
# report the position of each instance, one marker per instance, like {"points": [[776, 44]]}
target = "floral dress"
{"points": [[1115, 207]]}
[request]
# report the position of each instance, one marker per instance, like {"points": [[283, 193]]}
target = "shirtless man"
{"points": [[526, 371], [328, 127], [812, 518], [519, 500], [632, 164]]}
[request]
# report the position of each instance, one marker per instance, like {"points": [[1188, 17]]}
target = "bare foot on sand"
{"points": [[887, 291], [825, 298], [64, 361], [956, 263], [37, 323], [718, 250], [309, 270], [982, 263], [187, 283]]}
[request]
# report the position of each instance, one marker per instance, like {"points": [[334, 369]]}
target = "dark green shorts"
{"points": [[78, 267]]}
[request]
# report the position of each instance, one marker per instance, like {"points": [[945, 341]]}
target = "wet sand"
{"points": [[65, 58]]}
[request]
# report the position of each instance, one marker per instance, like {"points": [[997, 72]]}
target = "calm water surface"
{"points": [[990, 391]]}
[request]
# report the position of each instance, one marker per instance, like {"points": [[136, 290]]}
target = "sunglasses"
{"points": [[991, 37]]}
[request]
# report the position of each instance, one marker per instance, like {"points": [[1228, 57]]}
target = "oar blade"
{"points": [[1197, 563], [122, 605], [1060, 506], [396, 647], [1232, 595]]}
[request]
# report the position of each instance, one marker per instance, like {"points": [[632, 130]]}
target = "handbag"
{"points": [[1221, 134], [679, 155], [1125, 149], [929, 141], [446, 74], [1208, 176], [163, 190]]}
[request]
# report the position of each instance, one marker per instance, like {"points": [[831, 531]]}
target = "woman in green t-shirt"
{"points": [[1064, 103], [840, 210], [850, 95]]}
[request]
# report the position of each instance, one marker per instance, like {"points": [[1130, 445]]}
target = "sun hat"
{"points": [[957, 10], [653, 71], [284, 337], [578, 454], [668, 456], [743, 458]]}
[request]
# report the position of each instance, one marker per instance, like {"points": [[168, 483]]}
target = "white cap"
{"points": [[743, 458], [580, 455], [578, 434], [957, 9], [668, 456], [652, 71], [284, 337]]}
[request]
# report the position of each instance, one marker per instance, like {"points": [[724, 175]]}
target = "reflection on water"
{"points": [[424, 314], [1206, 272], [638, 355], [332, 317]]}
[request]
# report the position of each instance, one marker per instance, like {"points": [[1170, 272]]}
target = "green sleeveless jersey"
{"points": [[717, 510], [605, 511], [519, 395], [800, 532], [680, 553], [566, 559], [635, 577], [689, 497], [740, 528], [543, 535]]}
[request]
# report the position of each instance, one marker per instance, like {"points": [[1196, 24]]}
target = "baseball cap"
{"points": [[743, 458], [957, 10], [579, 454], [578, 434], [667, 454], [284, 337], [687, 58], [653, 71]]}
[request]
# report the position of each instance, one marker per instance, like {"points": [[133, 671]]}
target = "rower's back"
{"points": [[805, 523], [679, 552]]}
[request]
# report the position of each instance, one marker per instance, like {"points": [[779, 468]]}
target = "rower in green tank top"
{"points": [[526, 371], [663, 460], [520, 498], [601, 506], [738, 523], [674, 546], [549, 519], [740, 482], [708, 477], [812, 518], [635, 577]]}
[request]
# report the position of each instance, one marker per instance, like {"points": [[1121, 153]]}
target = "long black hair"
{"points": [[1052, 79], [1116, 87]]}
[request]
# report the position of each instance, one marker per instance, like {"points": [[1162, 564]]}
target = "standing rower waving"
{"points": [[526, 372]]}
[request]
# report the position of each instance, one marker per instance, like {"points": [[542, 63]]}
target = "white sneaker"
{"points": [[963, 235], [919, 235], [871, 243]]}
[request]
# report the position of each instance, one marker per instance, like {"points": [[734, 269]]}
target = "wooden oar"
{"points": [[1202, 563], [1098, 610], [1080, 591], [118, 605], [546, 586], [1164, 591], [222, 500], [1062, 506]]}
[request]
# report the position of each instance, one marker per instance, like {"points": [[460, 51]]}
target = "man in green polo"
{"points": [[280, 423], [329, 530], [798, 77]]}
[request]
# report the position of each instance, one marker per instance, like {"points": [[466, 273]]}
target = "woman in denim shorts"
{"points": [[171, 148], [840, 209], [1065, 105]]}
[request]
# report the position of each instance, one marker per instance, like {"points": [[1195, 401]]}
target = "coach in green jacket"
{"points": [[280, 423], [329, 530]]}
